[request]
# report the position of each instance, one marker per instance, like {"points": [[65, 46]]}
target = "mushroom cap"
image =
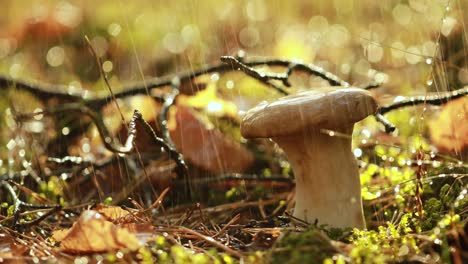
{"points": [[322, 108]]}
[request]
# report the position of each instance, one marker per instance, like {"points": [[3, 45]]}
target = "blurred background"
{"points": [[393, 41], [412, 47]]}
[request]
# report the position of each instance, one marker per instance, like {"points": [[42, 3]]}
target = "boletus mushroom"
{"points": [[327, 178]]}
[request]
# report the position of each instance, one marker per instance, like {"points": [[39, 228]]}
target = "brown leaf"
{"points": [[449, 131], [207, 147], [59, 235], [9, 249], [112, 213], [92, 234]]}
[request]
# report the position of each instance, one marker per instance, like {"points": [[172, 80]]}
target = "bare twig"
{"points": [[169, 100], [181, 169], [19, 204], [431, 99], [389, 127], [262, 77]]}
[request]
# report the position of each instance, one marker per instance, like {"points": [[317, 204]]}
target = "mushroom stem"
{"points": [[327, 177]]}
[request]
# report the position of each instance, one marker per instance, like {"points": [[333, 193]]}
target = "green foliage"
{"points": [[310, 246], [386, 244]]}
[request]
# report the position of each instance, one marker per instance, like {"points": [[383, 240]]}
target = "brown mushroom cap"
{"points": [[322, 108]]}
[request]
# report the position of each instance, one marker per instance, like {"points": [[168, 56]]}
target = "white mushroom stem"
{"points": [[327, 178]]}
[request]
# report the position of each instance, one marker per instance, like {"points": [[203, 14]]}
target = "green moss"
{"points": [[311, 246]]}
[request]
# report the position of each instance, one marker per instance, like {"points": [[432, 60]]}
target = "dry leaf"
{"points": [[9, 249], [449, 131], [112, 213], [207, 147], [92, 234], [59, 235]]}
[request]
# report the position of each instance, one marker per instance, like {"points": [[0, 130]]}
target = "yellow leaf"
{"points": [[92, 234]]}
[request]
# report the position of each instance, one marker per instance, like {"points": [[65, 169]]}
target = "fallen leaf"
{"points": [[113, 213], [449, 131], [93, 234], [9, 249], [207, 147], [60, 234]]}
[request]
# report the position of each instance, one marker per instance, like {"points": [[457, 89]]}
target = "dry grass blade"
{"points": [[231, 222], [158, 201], [213, 242]]}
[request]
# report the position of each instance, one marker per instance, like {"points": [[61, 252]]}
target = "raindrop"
{"points": [[38, 114], [429, 61], [11, 144], [65, 131], [230, 84], [214, 77], [114, 29], [357, 152], [86, 148], [55, 56], [429, 82], [22, 153], [107, 66]]}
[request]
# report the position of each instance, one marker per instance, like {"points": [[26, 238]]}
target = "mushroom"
{"points": [[306, 126]]}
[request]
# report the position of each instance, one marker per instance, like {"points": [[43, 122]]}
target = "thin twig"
{"points": [[431, 99], [181, 169], [262, 77], [389, 127], [212, 242], [169, 100], [19, 204]]}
